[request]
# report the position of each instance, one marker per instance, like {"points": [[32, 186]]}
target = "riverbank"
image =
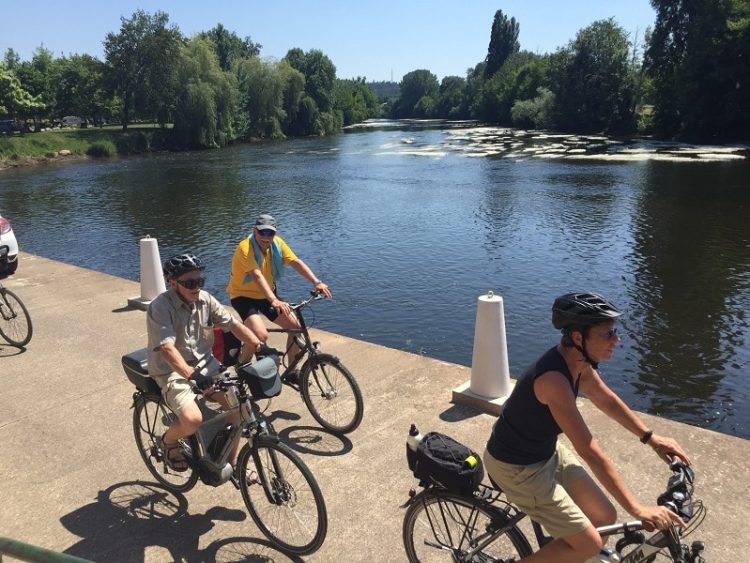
{"points": [[49, 146]]}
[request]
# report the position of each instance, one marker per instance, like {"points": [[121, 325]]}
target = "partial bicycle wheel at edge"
{"points": [[15, 321], [331, 394], [151, 418], [282, 496], [441, 526]]}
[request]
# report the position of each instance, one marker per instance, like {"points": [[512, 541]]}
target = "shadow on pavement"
{"points": [[315, 441], [128, 518]]}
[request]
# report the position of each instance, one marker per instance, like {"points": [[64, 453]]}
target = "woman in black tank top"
{"points": [[523, 455]]}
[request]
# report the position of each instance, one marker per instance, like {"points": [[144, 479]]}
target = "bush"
{"points": [[101, 149]]}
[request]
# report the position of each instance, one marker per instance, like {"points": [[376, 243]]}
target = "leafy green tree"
{"points": [[415, 86], [592, 81], [536, 112], [11, 59], [206, 100], [39, 76], [80, 90], [503, 42], [229, 47], [355, 100], [15, 101], [261, 87], [315, 114], [697, 57], [451, 98], [141, 65]]}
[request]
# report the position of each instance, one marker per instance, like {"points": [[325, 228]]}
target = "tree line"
{"points": [[688, 77], [213, 87]]}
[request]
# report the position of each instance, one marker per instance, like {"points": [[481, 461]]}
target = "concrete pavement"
{"points": [[72, 480]]}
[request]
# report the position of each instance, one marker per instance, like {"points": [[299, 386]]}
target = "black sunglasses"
{"points": [[266, 232], [193, 283]]}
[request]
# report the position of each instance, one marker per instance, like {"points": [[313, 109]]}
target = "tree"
{"points": [[315, 115], [206, 99], [698, 58], [536, 112], [228, 46], [14, 100], [141, 64], [261, 87], [415, 86], [39, 76], [11, 59], [451, 103], [503, 43], [355, 100], [79, 89], [592, 82]]}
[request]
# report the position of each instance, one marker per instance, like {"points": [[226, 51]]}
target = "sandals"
{"points": [[176, 462]]}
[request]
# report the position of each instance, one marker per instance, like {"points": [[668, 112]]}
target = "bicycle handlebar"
{"points": [[314, 296]]}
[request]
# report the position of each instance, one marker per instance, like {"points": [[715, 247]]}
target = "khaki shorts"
{"points": [[539, 490], [176, 390]]}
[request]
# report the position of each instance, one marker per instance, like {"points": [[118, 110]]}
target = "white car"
{"points": [[8, 248]]}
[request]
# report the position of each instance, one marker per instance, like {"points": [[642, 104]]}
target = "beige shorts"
{"points": [[539, 490], [176, 390]]}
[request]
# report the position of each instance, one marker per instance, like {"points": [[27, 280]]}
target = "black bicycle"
{"points": [[15, 321], [278, 489], [482, 527], [327, 387]]}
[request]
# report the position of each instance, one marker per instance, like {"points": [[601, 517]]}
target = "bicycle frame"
{"points": [[304, 342]]}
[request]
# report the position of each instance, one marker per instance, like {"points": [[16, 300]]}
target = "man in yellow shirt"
{"points": [[257, 265]]}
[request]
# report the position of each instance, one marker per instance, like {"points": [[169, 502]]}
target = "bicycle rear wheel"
{"points": [[151, 418], [15, 321], [282, 496], [441, 526], [331, 394]]}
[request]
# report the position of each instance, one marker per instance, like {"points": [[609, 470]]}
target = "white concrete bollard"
{"points": [[152, 279], [490, 375]]}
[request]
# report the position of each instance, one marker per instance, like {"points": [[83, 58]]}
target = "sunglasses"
{"points": [[611, 334], [193, 283], [266, 232]]}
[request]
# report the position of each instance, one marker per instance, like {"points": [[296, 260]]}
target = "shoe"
{"points": [[291, 377], [176, 462]]}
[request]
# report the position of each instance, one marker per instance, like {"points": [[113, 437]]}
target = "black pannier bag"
{"points": [[441, 460], [262, 377]]}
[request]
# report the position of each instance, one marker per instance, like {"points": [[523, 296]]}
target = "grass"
{"points": [[45, 144]]}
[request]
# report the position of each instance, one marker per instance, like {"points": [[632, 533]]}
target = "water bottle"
{"points": [[414, 437], [607, 555]]}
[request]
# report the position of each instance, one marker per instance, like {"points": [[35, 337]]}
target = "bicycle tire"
{"points": [[282, 496], [331, 394], [15, 321], [151, 418], [452, 523]]}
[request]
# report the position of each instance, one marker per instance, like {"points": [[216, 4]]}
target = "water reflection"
{"points": [[410, 225], [691, 257]]}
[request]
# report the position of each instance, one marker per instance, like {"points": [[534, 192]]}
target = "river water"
{"points": [[409, 224]]}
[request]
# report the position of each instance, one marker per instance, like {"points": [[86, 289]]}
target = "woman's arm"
{"points": [[615, 408]]}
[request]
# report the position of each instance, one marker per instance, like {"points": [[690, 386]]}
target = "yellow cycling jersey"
{"points": [[241, 281]]}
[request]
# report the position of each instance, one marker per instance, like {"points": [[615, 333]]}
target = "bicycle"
{"points": [[327, 387], [440, 525], [15, 321], [278, 489]]}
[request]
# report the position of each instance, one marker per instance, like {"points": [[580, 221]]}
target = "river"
{"points": [[409, 224]]}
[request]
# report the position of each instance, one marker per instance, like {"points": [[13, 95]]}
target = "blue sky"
{"points": [[378, 40]]}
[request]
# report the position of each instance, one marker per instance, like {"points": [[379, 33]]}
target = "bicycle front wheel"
{"points": [[441, 526], [15, 321], [331, 394], [282, 496], [151, 418]]}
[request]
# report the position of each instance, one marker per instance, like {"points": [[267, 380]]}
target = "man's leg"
{"points": [[255, 323]]}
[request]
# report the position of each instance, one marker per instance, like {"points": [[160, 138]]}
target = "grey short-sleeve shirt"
{"points": [[189, 326]]}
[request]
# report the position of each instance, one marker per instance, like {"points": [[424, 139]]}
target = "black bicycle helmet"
{"points": [[581, 309], [181, 264]]}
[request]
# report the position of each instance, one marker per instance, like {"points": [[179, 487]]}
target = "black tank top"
{"points": [[526, 431]]}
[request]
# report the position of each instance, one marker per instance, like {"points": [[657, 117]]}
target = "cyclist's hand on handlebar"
{"points": [[658, 517], [204, 382], [282, 307], [322, 289], [668, 448]]}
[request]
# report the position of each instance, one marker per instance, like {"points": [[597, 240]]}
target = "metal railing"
{"points": [[19, 550]]}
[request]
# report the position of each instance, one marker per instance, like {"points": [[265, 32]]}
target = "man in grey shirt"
{"points": [[180, 325]]}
